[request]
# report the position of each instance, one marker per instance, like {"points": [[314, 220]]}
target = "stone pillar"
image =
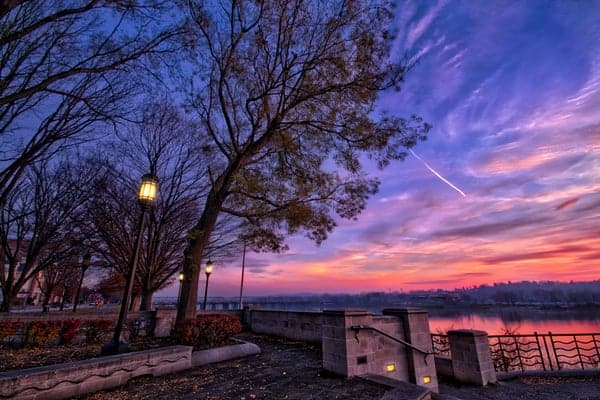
{"points": [[471, 357], [247, 316], [342, 353], [164, 321], [416, 331]]}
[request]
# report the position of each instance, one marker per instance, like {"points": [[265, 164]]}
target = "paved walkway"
{"points": [[292, 370], [284, 370], [530, 388]]}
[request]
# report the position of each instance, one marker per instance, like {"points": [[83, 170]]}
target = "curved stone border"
{"points": [[224, 353], [78, 378], [70, 379]]}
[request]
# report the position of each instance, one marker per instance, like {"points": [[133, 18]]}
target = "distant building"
{"points": [[30, 293]]}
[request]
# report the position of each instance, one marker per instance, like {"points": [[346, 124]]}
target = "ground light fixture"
{"points": [[208, 271], [146, 198]]}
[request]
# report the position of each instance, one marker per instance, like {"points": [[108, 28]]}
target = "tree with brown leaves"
{"points": [[285, 90]]}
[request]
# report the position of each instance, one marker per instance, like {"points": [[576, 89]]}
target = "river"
{"points": [[521, 320]]}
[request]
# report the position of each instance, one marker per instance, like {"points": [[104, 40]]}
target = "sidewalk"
{"points": [[530, 388], [284, 370]]}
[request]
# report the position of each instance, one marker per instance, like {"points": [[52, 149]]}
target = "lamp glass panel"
{"points": [[148, 190]]}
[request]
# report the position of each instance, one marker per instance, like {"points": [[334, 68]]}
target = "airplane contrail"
{"points": [[437, 174]]}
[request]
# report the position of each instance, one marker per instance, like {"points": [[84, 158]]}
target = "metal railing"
{"points": [[548, 352], [441, 346]]}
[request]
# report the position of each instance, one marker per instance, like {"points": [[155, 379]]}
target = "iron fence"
{"points": [[441, 346], [536, 351]]}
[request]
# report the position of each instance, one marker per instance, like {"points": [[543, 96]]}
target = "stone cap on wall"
{"points": [[467, 332], [406, 310], [346, 312]]}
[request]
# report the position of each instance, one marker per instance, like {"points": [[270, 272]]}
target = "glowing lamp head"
{"points": [[209, 267], [181, 276], [148, 189], [391, 367], [426, 379]]}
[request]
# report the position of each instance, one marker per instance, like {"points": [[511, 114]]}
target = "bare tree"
{"points": [[285, 90], [36, 225], [65, 68], [56, 280], [160, 144]]}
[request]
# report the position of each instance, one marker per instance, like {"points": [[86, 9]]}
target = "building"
{"points": [[30, 293]]}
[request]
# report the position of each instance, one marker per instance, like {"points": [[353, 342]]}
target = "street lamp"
{"points": [[181, 279], [85, 264], [208, 270], [146, 198]]}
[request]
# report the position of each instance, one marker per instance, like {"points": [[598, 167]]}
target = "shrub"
{"points": [[96, 329], [40, 333], [69, 330], [9, 328], [207, 331]]}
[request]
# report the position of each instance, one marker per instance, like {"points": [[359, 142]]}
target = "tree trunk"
{"points": [[7, 303], [199, 238], [78, 292], [45, 303], [135, 302], [146, 304], [62, 300]]}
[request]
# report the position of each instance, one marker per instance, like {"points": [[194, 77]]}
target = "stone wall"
{"points": [[67, 380], [416, 329], [356, 343], [296, 325], [358, 352], [443, 366]]}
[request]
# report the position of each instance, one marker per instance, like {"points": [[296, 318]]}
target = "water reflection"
{"points": [[517, 320]]}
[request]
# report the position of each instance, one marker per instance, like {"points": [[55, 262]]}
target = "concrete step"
{"points": [[399, 390]]}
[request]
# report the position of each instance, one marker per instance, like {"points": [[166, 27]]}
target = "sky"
{"points": [[507, 186]]}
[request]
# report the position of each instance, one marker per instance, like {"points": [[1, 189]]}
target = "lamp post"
{"points": [[181, 279], [242, 281], [146, 197], [208, 270], [85, 264]]}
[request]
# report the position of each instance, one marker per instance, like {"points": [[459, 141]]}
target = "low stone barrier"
{"points": [[218, 354], [296, 325], [443, 366], [66, 380]]}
